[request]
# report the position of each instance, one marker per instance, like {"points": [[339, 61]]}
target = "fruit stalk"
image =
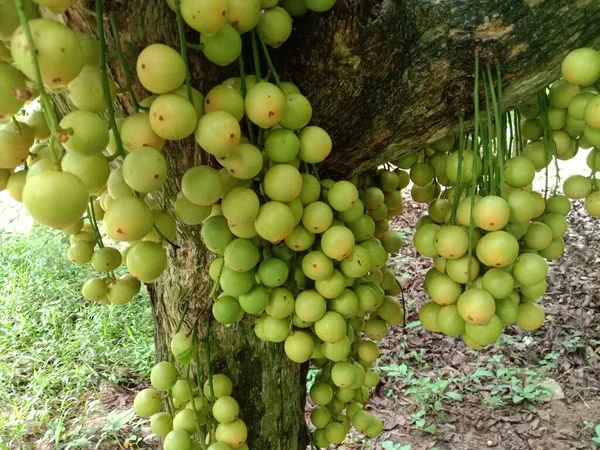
{"points": [[269, 61], [457, 189], [183, 49], [47, 103], [105, 85], [121, 57], [244, 91]]}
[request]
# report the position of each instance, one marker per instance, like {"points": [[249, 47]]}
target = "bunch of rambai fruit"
{"points": [[489, 233], [306, 257], [187, 416]]}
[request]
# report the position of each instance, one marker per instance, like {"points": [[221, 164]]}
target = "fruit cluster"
{"points": [[489, 233], [191, 411]]}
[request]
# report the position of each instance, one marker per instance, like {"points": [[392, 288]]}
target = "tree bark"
{"points": [[384, 77]]}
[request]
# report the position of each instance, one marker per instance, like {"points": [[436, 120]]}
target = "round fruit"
{"points": [[577, 187], [476, 306], [282, 183], [145, 169], [136, 132], [299, 346], [315, 144], [497, 249], [226, 409], [275, 26], [55, 199], [530, 269], [223, 47], [581, 66], [218, 132], [265, 104], [531, 316], [57, 48], [128, 219], [87, 133], [163, 376], [160, 68], [147, 402], [146, 261]]}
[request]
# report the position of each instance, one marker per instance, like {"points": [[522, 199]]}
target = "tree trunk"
{"points": [[384, 77]]}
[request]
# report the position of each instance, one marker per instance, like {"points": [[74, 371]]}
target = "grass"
{"points": [[55, 347]]}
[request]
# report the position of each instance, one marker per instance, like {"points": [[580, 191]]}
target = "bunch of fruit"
{"points": [[489, 233], [192, 417]]}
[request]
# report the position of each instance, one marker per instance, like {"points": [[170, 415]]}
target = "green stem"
{"points": [[545, 127], [122, 61], [474, 167], [105, 84], [488, 157], [255, 56], [500, 131], [46, 101], [94, 223], [191, 391], [557, 170], [457, 186], [508, 120], [183, 49], [269, 61], [244, 92], [160, 233], [193, 46], [182, 318], [170, 404], [519, 145]]}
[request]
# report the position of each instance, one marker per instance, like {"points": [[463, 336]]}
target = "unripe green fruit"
{"points": [[160, 68], [222, 48], [299, 346], [275, 26], [163, 376], [177, 440], [147, 402], [161, 423], [226, 409]]}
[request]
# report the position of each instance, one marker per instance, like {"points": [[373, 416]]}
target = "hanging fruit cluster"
{"points": [[194, 418], [488, 232]]}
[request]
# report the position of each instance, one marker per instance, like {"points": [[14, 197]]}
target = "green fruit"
{"points": [[363, 228], [218, 132], [80, 252], [136, 132], [342, 196], [244, 162], [55, 199], [128, 219], [299, 346], [357, 263], [337, 242], [88, 133], [255, 301], [222, 48], [202, 185], [519, 171], [507, 311], [163, 376], [147, 402], [487, 333], [282, 183], [275, 330], [146, 261], [173, 117], [241, 255], [223, 97], [331, 327], [243, 14], [58, 52], [317, 217], [531, 316], [498, 283], [14, 149], [424, 240], [332, 286], [476, 306], [221, 386], [160, 68], [236, 283], [94, 289], [449, 321], [281, 303], [106, 259], [368, 351], [298, 112], [275, 26], [265, 103], [273, 272], [275, 222], [87, 90], [226, 409], [177, 440], [310, 306], [321, 393], [145, 169], [13, 87], [185, 420], [208, 20], [315, 144], [346, 304], [577, 187], [497, 249], [581, 66], [282, 146], [161, 424], [197, 98], [530, 269], [538, 236]]}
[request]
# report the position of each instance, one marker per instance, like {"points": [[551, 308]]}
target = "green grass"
{"points": [[55, 347]]}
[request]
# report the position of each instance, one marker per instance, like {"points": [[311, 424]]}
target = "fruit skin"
{"points": [[55, 199], [160, 68]]}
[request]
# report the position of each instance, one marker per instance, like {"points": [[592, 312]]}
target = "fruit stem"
{"points": [[500, 130], [193, 46], [244, 92], [508, 120], [255, 56], [545, 127], [182, 318], [175, 246], [488, 143], [122, 61], [457, 186], [269, 61], [94, 223], [105, 84], [519, 141], [191, 390], [183, 49], [47, 103], [474, 167], [170, 405]]}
